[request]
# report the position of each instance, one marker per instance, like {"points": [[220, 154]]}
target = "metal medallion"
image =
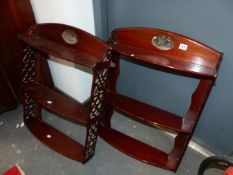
{"points": [[69, 36], [163, 42]]}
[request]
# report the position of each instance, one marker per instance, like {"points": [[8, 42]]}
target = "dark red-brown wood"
{"points": [[199, 61], [47, 38], [134, 148], [16, 17], [43, 40], [52, 138], [8, 99], [145, 113], [58, 103]]}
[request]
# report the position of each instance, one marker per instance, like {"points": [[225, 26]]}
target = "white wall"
{"points": [[72, 79]]}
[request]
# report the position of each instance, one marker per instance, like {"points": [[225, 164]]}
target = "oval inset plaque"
{"points": [[163, 42], [69, 36]]}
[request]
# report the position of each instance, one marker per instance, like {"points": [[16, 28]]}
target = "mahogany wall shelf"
{"points": [[76, 46], [172, 52]]}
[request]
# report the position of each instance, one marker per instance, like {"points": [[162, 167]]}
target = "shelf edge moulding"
{"points": [[74, 80]]}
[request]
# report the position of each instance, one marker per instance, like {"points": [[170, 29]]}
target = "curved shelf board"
{"points": [[145, 113], [79, 47], [165, 62], [66, 107], [183, 54], [60, 51], [55, 139], [172, 52], [137, 149], [66, 42]]}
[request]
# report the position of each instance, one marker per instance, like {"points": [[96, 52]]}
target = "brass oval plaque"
{"points": [[163, 42], [69, 36]]}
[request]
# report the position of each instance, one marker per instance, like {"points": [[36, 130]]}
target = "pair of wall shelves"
{"points": [[161, 49]]}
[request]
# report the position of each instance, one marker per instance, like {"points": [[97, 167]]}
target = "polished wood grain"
{"points": [[167, 62], [61, 51], [198, 61], [16, 17], [87, 43], [52, 137], [47, 38], [58, 103], [43, 40], [196, 53], [117, 139], [145, 113], [179, 148]]}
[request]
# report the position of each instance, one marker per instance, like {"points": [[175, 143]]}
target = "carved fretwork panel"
{"points": [[29, 107], [97, 105], [29, 65], [79, 47]]}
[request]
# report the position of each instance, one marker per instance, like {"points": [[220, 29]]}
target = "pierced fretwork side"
{"points": [[97, 105], [31, 109], [43, 40], [114, 72], [29, 65]]}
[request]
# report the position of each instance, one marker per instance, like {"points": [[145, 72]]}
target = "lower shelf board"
{"points": [[55, 139], [145, 113], [136, 149]]}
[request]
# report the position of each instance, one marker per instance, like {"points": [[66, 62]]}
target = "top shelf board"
{"points": [[168, 50], [66, 42]]}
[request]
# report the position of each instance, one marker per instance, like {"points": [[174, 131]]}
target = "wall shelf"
{"points": [[173, 53], [70, 44]]}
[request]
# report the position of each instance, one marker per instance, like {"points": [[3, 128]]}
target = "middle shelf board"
{"points": [[66, 107], [146, 113]]}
